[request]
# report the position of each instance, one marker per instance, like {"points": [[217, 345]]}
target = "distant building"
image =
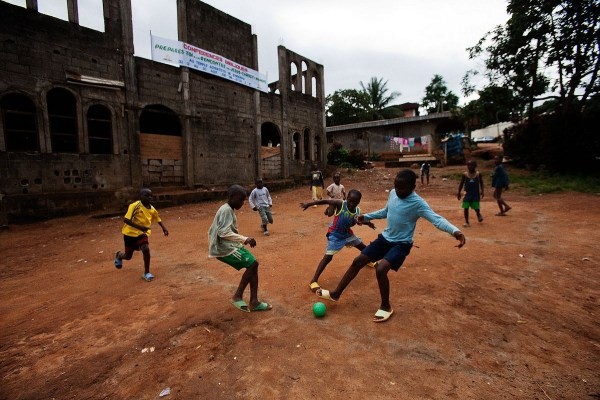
{"points": [[84, 123]]}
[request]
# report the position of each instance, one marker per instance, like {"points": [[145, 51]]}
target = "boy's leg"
{"points": [[321, 267], [269, 215], [145, 249], [466, 212], [383, 267], [247, 277], [499, 201], [359, 262]]}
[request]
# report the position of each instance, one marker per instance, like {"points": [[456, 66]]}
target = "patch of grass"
{"points": [[541, 182], [537, 182]]}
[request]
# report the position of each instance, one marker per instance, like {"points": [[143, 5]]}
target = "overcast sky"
{"points": [[404, 42]]}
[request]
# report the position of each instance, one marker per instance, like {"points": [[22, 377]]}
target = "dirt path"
{"points": [[514, 314]]}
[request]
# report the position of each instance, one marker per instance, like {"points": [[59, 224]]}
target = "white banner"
{"points": [[183, 54]]}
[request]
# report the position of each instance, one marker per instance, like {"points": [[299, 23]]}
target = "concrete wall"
{"points": [[220, 120]]}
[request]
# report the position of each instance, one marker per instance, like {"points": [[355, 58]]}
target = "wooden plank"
{"points": [[161, 147]]}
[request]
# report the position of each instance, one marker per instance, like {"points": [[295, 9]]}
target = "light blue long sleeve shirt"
{"points": [[402, 216]]}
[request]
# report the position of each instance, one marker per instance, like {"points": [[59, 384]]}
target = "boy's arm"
{"points": [[164, 228], [337, 203], [136, 226], [225, 232], [269, 199], [480, 186], [379, 214], [361, 221], [460, 186], [251, 200]]}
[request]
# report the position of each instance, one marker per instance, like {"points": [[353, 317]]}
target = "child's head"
{"points": [[336, 178], [353, 199], [236, 196], [405, 183], [146, 196], [471, 165], [259, 183], [498, 160]]}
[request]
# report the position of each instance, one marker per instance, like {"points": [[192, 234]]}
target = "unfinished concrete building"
{"points": [[84, 123]]}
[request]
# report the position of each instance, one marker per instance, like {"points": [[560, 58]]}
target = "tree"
{"points": [[437, 96], [377, 99], [545, 45], [349, 106], [345, 107]]}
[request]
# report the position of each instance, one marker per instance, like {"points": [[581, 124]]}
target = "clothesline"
{"points": [[407, 143]]}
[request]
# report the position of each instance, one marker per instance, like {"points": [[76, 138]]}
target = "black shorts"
{"points": [[133, 243], [392, 252]]}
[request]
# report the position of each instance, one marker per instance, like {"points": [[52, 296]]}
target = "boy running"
{"points": [[136, 230], [260, 200]]}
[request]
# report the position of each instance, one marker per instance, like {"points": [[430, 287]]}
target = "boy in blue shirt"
{"points": [[403, 209], [472, 182], [500, 183]]}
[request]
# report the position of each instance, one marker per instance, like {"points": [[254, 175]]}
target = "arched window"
{"points": [[160, 120], [293, 75], [99, 124], [304, 69], [20, 123], [62, 113], [296, 146], [307, 144], [314, 86], [317, 148]]}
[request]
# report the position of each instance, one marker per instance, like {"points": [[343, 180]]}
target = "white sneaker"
{"points": [[266, 233]]}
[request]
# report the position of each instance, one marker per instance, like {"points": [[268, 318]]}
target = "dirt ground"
{"points": [[512, 315]]}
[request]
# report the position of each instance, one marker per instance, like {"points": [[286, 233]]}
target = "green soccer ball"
{"points": [[319, 309]]}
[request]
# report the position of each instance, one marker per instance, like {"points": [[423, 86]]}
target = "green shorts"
{"points": [[241, 258], [473, 204]]}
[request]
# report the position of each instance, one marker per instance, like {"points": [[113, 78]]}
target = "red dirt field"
{"points": [[512, 315]]}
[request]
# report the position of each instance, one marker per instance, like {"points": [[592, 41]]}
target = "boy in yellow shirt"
{"points": [[136, 229]]}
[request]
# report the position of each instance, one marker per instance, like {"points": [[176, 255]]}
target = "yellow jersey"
{"points": [[140, 215]]}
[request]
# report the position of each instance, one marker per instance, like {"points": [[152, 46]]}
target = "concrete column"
{"points": [[73, 11], [258, 170], [32, 5]]}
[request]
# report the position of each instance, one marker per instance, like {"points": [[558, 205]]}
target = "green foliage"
{"points": [[560, 142], [558, 36], [357, 158], [437, 96], [544, 182], [377, 98], [350, 106], [337, 154]]}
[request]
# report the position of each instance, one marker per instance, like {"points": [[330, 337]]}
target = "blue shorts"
{"points": [[337, 242], [392, 252]]}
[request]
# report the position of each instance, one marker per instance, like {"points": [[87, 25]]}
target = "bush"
{"points": [[357, 158], [564, 143], [337, 154]]}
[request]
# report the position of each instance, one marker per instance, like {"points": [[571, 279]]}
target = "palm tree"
{"points": [[375, 97]]}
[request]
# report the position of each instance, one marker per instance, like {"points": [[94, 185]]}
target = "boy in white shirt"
{"points": [[260, 200], [335, 191]]}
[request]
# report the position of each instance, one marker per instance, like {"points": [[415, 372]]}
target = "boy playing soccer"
{"points": [[473, 185], [403, 209], [339, 233], [227, 245], [136, 229], [260, 200]]}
